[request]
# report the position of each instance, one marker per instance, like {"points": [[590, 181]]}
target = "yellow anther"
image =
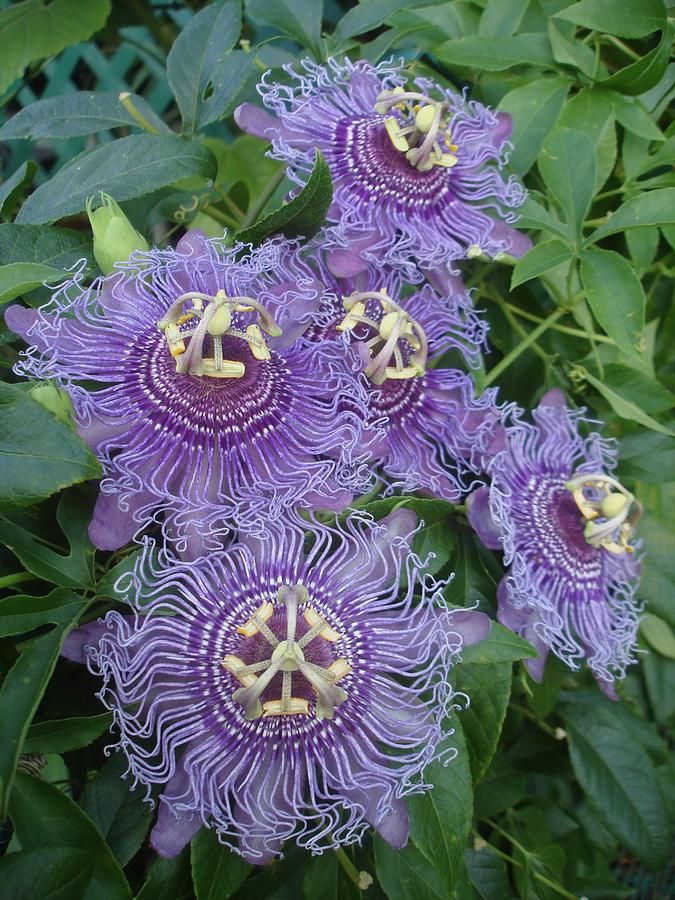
{"points": [[292, 707], [262, 614], [174, 339], [613, 504], [185, 318], [220, 321], [230, 368], [394, 131], [339, 669], [256, 343], [234, 665], [446, 160], [424, 119], [312, 618], [352, 317]]}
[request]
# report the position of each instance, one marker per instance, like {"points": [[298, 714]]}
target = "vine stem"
{"points": [[265, 195], [511, 357], [558, 888], [564, 329]]}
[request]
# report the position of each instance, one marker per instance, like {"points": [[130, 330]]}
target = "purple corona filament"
{"points": [[277, 693], [415, 167], [565, 526], [201, 404], [435, 431]]}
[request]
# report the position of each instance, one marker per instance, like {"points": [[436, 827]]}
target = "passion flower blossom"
{"points": [[565, 527], [416, 168], [280, 694], [203, 406], [436, 435]]}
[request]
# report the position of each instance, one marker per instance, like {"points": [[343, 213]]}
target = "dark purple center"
{"points": [[365, 160]]}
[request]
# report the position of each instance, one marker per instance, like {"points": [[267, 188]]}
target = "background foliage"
{"points": [[555, 791]]}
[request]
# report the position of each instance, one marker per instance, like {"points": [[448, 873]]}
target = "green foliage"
{"points": [[552, 785]]}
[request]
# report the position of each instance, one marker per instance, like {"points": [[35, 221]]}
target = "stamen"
{"points": [[420, 130], [394, 327], [212, 316], [611, 514], [287, 658]]}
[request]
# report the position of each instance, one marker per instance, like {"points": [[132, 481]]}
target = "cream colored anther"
{"points": [[351, 320], [313, 618], [230, 368], [394, 131]]}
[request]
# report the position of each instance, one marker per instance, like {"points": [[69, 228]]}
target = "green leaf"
{"points": [[541, 258], [624, 408], [647, 456], [618, 778], [303, 215], [321, 877], [50, 873], [204, 75], [638, 388], [13, 187], [658, 634], [487, 873], [43, 816], [592, 112], [501, 18], [217, 872], [533, 215], [25, 683], [368, 15], [651, 208], [125, 168], [440, 819], [31, 30], [58, 248], [489, 687], [634, 117], [643, 245], [496, 54], [119, 813], [406, 874], [657, 582], [645, 73], [616, 297], [63, 735], [20, 278], [168, 879], [567, 165], [569, 51], [501, 645], [73, 115], [501, 788], [299, 19], [625, 18], [659, 675], [40, 454], [73, 570], [534, 108]]}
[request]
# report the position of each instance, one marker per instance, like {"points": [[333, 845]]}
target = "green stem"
{"points": [[237, 213], [511, 357], [564, 329], [220, 216], [349, 867], [271, 186], [620, 44], [505, 856], [517, 327], [128, 104], [10, 580], [531, 716]]}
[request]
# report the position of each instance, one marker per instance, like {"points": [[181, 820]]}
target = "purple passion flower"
{"points": [[189, 383], [415, 167], [434, 430], [278, 693], [565, 526]]}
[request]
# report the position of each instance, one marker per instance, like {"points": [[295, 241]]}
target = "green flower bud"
{"points": [[54, 399], [115, 238]]}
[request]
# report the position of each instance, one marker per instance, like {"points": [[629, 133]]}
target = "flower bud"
{"points": [[54, 399], [115, 238]]}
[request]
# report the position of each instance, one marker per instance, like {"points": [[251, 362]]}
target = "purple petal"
{"points": [[554, 397], [472, 626], [256, 121], [193, 243], [480, 518], [112, 527], [20, 320], [395, 826], [80, 639]]}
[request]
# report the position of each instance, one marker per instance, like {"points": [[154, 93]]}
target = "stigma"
{"points": [[609, 511], [198, 318], [419, 128], [398, 349], [287, 658]]}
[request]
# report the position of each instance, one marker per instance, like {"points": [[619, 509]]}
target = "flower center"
{"points": [[398, 349], [419, 128], [196, 317], [287, 658], [611, 512]]}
